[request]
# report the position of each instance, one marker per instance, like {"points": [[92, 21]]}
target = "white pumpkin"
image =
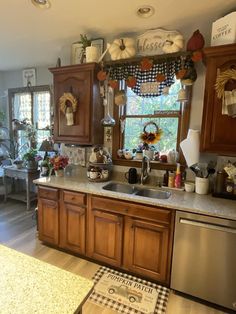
{"points": [[122, 48], [173, 44]]}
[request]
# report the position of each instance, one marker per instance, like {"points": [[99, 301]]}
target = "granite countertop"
{"points": [[28, 285], [180, 200]]}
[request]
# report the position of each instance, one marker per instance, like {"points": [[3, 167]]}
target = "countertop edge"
{"points": [[179, 200]]}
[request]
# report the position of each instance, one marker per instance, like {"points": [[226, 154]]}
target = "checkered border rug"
{"points": [[163, 294]]}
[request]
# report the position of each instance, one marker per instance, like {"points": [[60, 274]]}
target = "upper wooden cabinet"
{"points": [[81, 81], [218, 131]]}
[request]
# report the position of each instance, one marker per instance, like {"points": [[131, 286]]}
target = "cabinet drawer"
{"points": [[74, 198], [48, 193], [132, 209]]}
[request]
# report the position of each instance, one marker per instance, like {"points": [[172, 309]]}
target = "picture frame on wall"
{"points": [[76, 53], [29, 77], [99, 43]]}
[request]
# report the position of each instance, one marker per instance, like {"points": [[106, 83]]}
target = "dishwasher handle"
{"points": [[207, 225]]}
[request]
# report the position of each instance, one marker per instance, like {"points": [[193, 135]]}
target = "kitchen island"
{"points": [[28, 285]]}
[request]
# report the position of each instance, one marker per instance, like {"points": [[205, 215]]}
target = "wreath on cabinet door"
{"points": [[222, 79], [228, 95], [68, 105]]}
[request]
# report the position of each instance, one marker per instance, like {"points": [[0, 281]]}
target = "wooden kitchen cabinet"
{"points": [[105, 236], [146, 246], [148, 234], [48, 215], [130, 236], [218, 131], [81, 81], [72, 221]]}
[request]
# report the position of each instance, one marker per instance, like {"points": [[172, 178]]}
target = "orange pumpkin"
{"points": [[146, 64], [102, 75], [160, 77], [180, 74], [197, 56], [113, 83], [131, 81]]}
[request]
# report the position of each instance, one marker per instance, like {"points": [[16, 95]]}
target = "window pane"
{"points": [[134, 127], [22, 107], [42, 109], [137, 105]]}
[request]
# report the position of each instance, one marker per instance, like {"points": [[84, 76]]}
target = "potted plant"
{"points": [[31, 158], [58, 164], [85, 42]]}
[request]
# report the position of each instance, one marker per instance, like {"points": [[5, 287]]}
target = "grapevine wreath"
{"points": [[222, 79], [67, 100], [151, 137]]}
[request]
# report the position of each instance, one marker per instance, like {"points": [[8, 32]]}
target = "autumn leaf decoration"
{"points": [[151, 137], [146, 64]]}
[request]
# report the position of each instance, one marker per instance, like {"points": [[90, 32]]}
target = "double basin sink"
{"points": [[134, 190]]}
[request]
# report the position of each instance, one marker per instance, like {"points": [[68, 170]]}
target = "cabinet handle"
{"points": [[126, 210]]}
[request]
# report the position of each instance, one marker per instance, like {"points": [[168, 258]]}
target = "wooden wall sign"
{"points": [[151, 42]]}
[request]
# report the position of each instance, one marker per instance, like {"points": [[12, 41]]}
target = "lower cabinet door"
{"points": [[72, 228], [105, 237], [48, 221], [146, 246]]}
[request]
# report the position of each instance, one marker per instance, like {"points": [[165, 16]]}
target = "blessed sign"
{"points": [[151, 42]]}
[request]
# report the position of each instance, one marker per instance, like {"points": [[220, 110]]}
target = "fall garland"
{"points": [[151, 137], [63, 102], [222, 79]]}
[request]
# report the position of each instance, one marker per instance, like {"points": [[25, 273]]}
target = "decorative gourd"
{"points": [[122, 48], [196, 42], [174, 43]]}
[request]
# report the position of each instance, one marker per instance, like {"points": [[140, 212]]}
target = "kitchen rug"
{"points": [[128, 294]]}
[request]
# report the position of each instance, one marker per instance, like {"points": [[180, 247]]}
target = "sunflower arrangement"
{"points": [[151, 137]]}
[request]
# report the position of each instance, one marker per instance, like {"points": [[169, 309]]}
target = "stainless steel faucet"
{"points": [[145, 169]]}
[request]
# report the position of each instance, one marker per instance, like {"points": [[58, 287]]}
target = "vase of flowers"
{"points": [[58, 164]]}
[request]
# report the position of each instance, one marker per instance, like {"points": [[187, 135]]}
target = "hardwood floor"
{"points": [[18, 231]]}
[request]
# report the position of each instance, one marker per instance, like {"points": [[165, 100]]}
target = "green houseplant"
{"points": [[31, 158]]}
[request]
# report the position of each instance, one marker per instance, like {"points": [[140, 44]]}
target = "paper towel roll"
{"points": [[190, 147]]}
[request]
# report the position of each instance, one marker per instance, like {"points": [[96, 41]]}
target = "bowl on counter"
{"points": [[99, 172]]}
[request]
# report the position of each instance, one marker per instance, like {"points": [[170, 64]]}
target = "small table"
{"points": [[26, 174], [29, 285]]}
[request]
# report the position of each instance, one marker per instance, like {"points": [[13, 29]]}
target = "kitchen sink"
{"points": [[120, 188], [129, 189], [152, 193]]}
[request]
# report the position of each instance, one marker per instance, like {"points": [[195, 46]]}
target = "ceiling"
{"points": [[32, 37]]}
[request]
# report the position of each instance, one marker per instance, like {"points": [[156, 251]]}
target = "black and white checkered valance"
{"points": [[168, 68]]}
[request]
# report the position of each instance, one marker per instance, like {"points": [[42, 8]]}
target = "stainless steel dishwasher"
{"points": [[204, 258]]}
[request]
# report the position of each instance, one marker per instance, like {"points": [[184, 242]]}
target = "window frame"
{"points": [[118, 137], [31, 90]]}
